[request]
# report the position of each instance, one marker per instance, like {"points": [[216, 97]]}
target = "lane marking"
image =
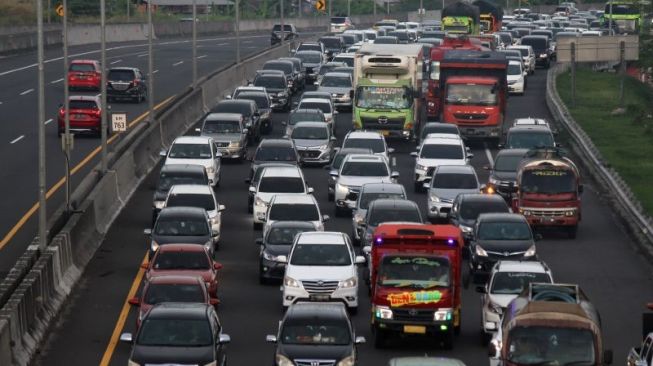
{"points": [[177, 63], [17, 139], [115, 62], [488, 153], [222, 44], [21, 222], [142, 55], [47, 122], [248, 42], [201, 57], [27, 91], [122, 318], [155, 71], [56, 81]]}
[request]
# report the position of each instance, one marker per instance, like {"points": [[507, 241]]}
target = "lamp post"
{"points": [[103, 84], [43, 240]]}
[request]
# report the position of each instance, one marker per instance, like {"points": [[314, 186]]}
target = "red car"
{"points": [[85, 115], [171, 288], [84, 74], [185, 260]]}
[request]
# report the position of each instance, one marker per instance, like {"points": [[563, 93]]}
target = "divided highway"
{"points": [[602, 260]]}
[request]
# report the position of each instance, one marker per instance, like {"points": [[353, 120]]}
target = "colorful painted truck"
{"points": [[461, 18]]}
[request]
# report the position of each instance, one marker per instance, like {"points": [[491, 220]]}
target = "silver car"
{"points": [[312, 62], [229, 133], [313, 141], [448, 182], [339, 84]]}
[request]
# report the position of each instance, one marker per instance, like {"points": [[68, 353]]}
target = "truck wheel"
{"points": [[447, 341], [257, 226], [380, 338], [485, 338]]}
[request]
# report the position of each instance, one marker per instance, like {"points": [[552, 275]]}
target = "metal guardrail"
{"points": [[622, 197]]}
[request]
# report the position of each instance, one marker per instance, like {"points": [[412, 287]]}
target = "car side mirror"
{"points": [[492, 350], [413, 154], [501, 146], [135, 301], [227, 97], [391, 150], [221, 208], [217, 266], [334, 174], [284, 123], [245, 130], [252, 189], [481, 289], [607, 357], [271, 338], [310, 190], [426, 185], [215, 232], [126, 337], [282, 259], [394, 175], [333, 138], [147, 232], [470, 155], [537, 237], [359, 340], [326, 218], [259, 241], [367, 249], [360, 259], [163, 153], [224, 339], [60, 105]]}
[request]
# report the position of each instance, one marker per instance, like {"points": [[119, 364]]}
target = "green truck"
{"points": [[461, 18]]}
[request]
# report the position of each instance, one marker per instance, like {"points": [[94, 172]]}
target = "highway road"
{"points": [[19, 133], [602, 260]]}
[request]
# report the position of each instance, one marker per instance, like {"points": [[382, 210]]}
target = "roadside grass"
{"points": [[625, 141]]}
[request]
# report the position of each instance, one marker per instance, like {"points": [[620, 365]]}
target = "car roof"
{"points": [[313, 310], [282, 171], [234, 101], [307, 111], [123, 68], [178, 310], [534, 128], [311, 52], [337, 74], [460, 169], [501, 217], [224, 116], [354, 150], [442, 139], [192, 140], [522, 266], [530, 121], [321, 237], [314, 100], [311, 124], [394, 203], [296, 199], [345, 55], [183, 211], [275, 142], [365, 157], [382, 187], [191, 189], [277, 61], [182, 168], [271, 73], [246, 93], [364, 135], [515, 62], [182, 247]]}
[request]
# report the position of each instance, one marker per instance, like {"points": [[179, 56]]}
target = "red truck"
{"points": [[549, 190], [415, 272], [474, 92]]}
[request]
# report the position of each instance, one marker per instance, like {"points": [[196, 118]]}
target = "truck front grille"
{"points": [[383, 123]]}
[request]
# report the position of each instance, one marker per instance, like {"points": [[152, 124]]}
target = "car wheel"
{"points": [[380, 338], [353, 310], [257, 226], [447, 341]]}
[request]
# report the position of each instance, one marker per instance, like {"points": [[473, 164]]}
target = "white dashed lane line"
{"points": [[17, 139], [56, 81], [27, 91], [490, 159], [143, 55], [47, 122], [201, 57], [178, 63], [115, 62]]}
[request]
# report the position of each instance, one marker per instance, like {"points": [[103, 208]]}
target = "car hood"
{"points": [[438, 162], [502, 300], [171, 239], [505, 176], [224, 137], [334, 89], [503, 246], [309, 142], [450, 194], [355, 181], [203, 162], [324, 273], [173, 355], [315, 352]]}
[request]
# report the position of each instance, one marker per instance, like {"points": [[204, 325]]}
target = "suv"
{"points": [[276, 85], [276, 242], [507, 280], [196, 150], [336, 163], [264, 104], [289, 32], [499, 236], [324, 105], [275, 151], [327, 67], [198, 195], [437, 127], [435, 150], [529, 137], [175, 174], [298, 69], [179, 333], [322, 266], [303, 115], [368, 193], [503, 172], [386, 210], [467, 207], [286, 180], [527, 55], [228, 132], [310, 46], [313, 141], [448, 182], [293, 207], [541, 47], [288, 68], [252, 182], [312, 62], [84, 74], [356, 170], [516, 77], [126, 83], [339, 85], [84, 113], [315, 334], [249, 110], [372, 140], [333, 44]]}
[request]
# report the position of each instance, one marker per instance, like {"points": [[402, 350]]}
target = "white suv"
{"points": [[506, 282], [322, 266], [438, 149], [276, 180], [294, 207], [196, 150]]}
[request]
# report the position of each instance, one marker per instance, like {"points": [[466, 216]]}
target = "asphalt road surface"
{"points": [[602, 260], [19, 132]]}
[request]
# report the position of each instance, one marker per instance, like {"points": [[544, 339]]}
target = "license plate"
{"points": [[319, 297], [470, 131], [415, 329], [79, 116], [385, 133]]}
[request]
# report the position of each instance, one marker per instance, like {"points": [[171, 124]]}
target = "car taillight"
{"points": [[62, 111], [97, 113]]}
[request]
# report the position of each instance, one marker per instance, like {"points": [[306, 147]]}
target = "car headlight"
{"points": [[443, 315], [270, 257], [334, 95], [215, 220], [382, 312], [259, 202], [210, 170], [543, 55], [466, 229], [283, 360], [359, 218], [495, 308], [480, 251], [530, 252], [234, 144], [154, 246], [348, 283], [524, 212], [570, 212], [347, 361], [290, 282], [132, 363], [420, 167], [434, 198], [214, 363], [159, 204], [321, 147]]}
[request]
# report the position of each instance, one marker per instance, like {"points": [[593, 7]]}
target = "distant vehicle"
{"points": [[294, 207], [289, 32], [84, 74], [527, 55], [334, 45], [303, 115], [198, 195], [175, 174], [347, 58], [249, 110], [467, 207], [336, 163], [437, 127], [326, 106], [264, 104], [126, 83], [312, 62], [503, 172], [541, 47], [372, 140], [340, 24], [278, 180], [276, 86], [329, 66], [529, 137], [288, 69], [339, 85], [516, 78], [84, 114], [447, 183], [196, 150], [385, 210], [437, 149], [314, 142], [369, 193]]}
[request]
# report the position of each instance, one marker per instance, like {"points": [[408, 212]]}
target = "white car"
{"points": [[325, 105], [276, 180], [506, 282], [246, 88], [372, 140], [197, 195], [370, 35], [196, 150], [530, 121], [293, 207], [347, 58], [516, 78], [438, 149], [322, 266], [527, 55]]}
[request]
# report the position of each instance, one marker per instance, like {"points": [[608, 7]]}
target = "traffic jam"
{"points": [[440, 86]]}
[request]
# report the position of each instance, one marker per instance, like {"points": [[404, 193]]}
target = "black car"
{"points": [[541, 48], [467, 207], [289, 32], [179, 333], [529, 137], [316, 333], [335, 164], [189, 225], [348, 39], [387, 210], [434, 34], [277, 242], [255, 175], [276, 85], [499, 236], [249, 110], [264, 104], [274, 151], [172, 174], [437, 127], [298, 69], [333, 45], [126, 83], [503, 173], [402, 36], [288, 69]]}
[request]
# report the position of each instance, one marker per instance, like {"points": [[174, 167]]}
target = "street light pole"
{"points": [[237, 31], [348, 8], [194, 43], [610, 19], [43, 240], [283, 27], [421, 15], [150, 64], [128, 3], [103, 84], [374, 6], [67, 141]]}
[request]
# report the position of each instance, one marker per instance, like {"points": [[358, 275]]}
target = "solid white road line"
{"points": [[115, 62], [17, 139], [56, 81], [488, 153], [27, 91], [177, 63], [201, 57], [47, 122]]}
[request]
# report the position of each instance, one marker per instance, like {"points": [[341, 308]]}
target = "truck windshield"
{"points": [[471, 94], [382, 97], [414, 272], [535, 345], [548, 181], [456, 28], [512, 283]]}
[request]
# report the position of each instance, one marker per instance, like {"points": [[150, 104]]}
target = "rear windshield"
{"points": [[158, 293], [281, 185], [82, 104], [286, 28], [181, 260], [269, 81], [345, 59], [204, 201], [380, 216], [386, 40], [309, 57], [336, 81], [471, 210], [512, 283], [121, 75], [294, 212], [324, 107], [455, 181], [530, 140], [309, 47], [82, 67], [184, 226], [507, 163], [365, 169], [376, 145], [338, 20], [331, 42], [536, 43], [275, 153], [286, 67], [167, 180], [241, 108]]}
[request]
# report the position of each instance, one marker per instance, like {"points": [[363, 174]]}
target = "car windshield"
{"points": [[270, 81], [324, 107], [275, 153], [310, 133], [541, 345], [284, 235], [175, 333], [530, 140], [305, 117], [241, 108], [80, 67], [331, 42], [336, 81], [338, 20], [381, 215], [82, 104], [514, 69], [204, 201], [286, 28], [261, 99], [180, 260], [504, 231], [376, 145], [386, 40], [438, 151], [121, 75], [349, 61], [294, 212], [507, 163], [455, 181], [309, 57], [471, 209], [213, 126], [512, 283], [537, 44], [286, 67], [190, 151], [158, 293], [365, 169], [167, 180], [371, 36], [367, 198], [548, 181], [320, 255], [413, 272], [308, 47], [281, 185], [373, 97], [471, 94], [316, 332], [181, 226]]}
